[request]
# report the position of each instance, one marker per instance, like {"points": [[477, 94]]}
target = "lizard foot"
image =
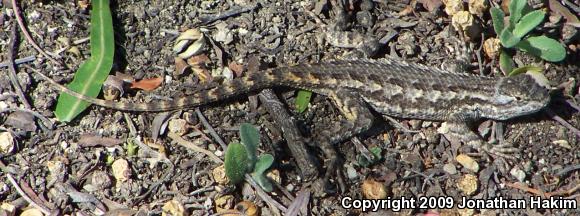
{"points": [[505, 150]]}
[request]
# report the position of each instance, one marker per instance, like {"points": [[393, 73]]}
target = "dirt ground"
{"points": [[70, 168]]}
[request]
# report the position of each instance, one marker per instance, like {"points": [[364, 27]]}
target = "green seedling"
{"points": [[302, 100], [376, 152], [242, 158], [522, 21]]}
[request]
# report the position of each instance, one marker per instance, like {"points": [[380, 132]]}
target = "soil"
{"points": [[71, 167]]}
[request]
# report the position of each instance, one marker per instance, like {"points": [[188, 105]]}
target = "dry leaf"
{"points": [[431, 5], [559, 9], [236, 68], [147, 84], [198, 60]]}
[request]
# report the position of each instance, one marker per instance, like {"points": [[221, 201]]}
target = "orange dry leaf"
{"points": [[147, 84]]}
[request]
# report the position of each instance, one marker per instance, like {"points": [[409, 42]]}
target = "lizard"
{"points": [[389, 86]]}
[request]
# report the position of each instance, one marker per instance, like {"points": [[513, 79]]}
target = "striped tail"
{"points": [[235, 87]]}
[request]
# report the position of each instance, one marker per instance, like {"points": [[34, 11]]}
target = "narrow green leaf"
{"points": [[236, 162], [507, 39], [525, 69], [543, 47], [250, 137], [302, 100], [517, 9], [92, 73], [506, 64], [528, 23], [264, 162], [497, 16]]}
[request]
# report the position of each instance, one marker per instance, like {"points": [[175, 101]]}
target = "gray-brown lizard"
{"points": [[391, 87]]}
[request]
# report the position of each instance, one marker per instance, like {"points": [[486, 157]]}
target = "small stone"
{"points": [[477, 7], [6, 143], [178, 126], [450, 168], [562, 143], [121, 170], [519, 174], [351, 172], [491, 47], [219, 175], [415, 124], [468, 184], [467, 162], [101, 180], [173, 208], [453, 6]]}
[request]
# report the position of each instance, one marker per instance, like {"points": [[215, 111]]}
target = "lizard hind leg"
{"points": [[357, 118]]}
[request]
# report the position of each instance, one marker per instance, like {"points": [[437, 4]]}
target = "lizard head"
{"points": [[520, 95]]}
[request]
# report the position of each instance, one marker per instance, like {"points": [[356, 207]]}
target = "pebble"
{"points": [[467, 162], [519, 174], [351, 172], [450, 168], [468, 184]]}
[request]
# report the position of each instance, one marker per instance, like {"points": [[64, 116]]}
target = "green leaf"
{"points": [[517, 9], [131, 147], [250, 139], [497, 16], [92, 73], [528, 23], [264, 162], [236, 162], [525, 69], [376, 152], [506, 64], [302, 100], [507, 39], [543, 47]]}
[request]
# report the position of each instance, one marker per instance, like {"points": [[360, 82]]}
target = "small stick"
{"points": [[12, 72], [18, 61], [27, 35]]}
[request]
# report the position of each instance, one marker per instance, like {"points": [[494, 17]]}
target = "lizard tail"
{"points": [[242, 85]]}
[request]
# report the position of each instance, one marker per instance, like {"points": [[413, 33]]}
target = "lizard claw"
{"points": [[505, 150]]}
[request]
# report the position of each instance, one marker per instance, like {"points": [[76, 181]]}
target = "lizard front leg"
{"points": [[459, 126], [357, 118]]}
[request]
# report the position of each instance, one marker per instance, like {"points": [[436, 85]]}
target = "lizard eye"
{"points": [[518, 98]]}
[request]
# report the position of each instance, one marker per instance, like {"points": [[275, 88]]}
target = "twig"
{"points": [[562, 122], [521, 186], [234, 11], [12, 72], [262, 194], [194, 147], [18, 61], [27, 35], [43, 209], [210, 129]]}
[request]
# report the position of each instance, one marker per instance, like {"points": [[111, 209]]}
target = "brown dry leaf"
{"points": [[198, 60], [408, 10], [571, 19], [147, 84], [236, 68], [431, 5], [180, 66], [89, 140]]}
